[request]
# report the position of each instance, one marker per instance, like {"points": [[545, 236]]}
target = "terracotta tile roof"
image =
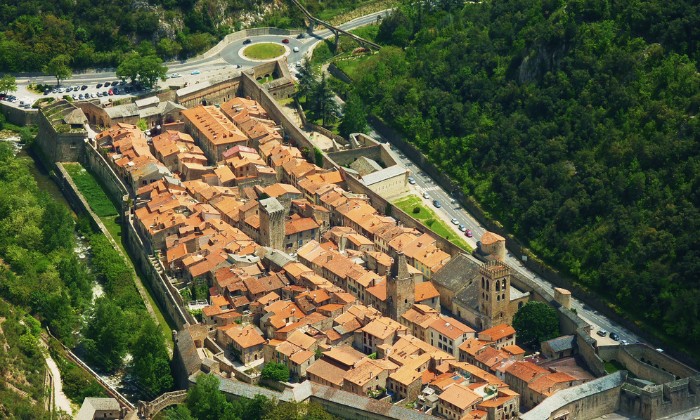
{"points": [[326, 371], [367, 370], [459, 396], [489, 238], [497, 332], [301, 356], [214, 125], [382, 327], [270, 297], [450, 327], [547, 384], [526, 371], [301, 224], [345, 355], [245, 336], [473, 346], [490, 357], [424, 291], [513, 349]]}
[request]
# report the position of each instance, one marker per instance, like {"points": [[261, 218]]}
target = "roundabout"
{"points": [[263, 51]]}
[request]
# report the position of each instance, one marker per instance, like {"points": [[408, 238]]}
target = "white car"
{"points": [[454, 221], [295, 49], [426, 195]]}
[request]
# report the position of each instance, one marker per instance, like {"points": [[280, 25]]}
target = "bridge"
{"points": [[334, 29], [147, 410]]}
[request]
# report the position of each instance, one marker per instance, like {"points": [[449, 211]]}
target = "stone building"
{"points": [[400, 287], [272, 221], [62, 132]]}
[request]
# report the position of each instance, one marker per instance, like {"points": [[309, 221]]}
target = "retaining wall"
{"points": [[19, 116], [98, 165]]}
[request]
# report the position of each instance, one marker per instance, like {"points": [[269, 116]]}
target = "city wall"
{"points": [[98, 165], [154, 273], [346, 157], [216, 93], [251, 88], [19, 116]]}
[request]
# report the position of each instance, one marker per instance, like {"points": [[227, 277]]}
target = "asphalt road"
{"points": [[451, 210], [228, 59]]}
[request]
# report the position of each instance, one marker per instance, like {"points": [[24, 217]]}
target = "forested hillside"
{"points": [[96, 33], [574, 123]]}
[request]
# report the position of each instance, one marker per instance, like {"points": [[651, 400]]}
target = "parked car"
{"points": [[602, 333], [624, 342], [295, 49], [75, 97], [426, 195], [123, 82], [47, 91], [454, 221], [195, 72], [462, 228], [247, 41], [106, 84], [81, 97], [285, 41], [437, 204], [469, 233], [615, 336], [83, 87], [99, 85], [411, 180], [111, 92], [301, 36]]}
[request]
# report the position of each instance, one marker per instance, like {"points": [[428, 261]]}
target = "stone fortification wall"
{"points": [[98, 165], [672, 399], [586, 348], [631, 358], [76, 199], [19, 116], [215, 93], [586, 401], [346, 157], [384, 206], [154, 273], [250, 88]]}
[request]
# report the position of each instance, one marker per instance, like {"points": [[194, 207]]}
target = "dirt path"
{"points": [[61, 400]]}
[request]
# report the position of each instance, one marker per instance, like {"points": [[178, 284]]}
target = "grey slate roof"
{"points": [[383, 175], [457, 273], [193, 88], [567, 396], [516, 293], [563, 343], [92, 405], [469, 295]]}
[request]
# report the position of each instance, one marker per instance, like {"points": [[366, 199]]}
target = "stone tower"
{"points": [[272, 223], [400, 288], [494, 294]]}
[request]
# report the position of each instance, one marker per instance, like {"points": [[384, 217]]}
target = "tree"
{"points": [[354, 117], [151, 367], [145, 69], [8, 83], [59, 67], [536, 322], [323, 101], [299, 411], [307, 80], [275, 372], [206, 402], [107, 334], [168, 48]]}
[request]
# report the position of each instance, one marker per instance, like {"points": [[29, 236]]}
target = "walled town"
{"points": [[262, 250]]}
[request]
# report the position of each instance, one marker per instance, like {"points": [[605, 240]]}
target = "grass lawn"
{"points": [[350, 65], [100, 203], [263, 51], [368, 32], [428, 218]]}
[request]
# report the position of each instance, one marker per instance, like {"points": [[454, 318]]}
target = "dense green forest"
{"points": [[572, 122], [41, 274]]}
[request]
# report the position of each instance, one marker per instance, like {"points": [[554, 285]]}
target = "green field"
{"points": [[431, 220], [263, 51], [109, 216]]}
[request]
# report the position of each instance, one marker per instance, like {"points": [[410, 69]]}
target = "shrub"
{"points": [[276, 372], [416, 210]]}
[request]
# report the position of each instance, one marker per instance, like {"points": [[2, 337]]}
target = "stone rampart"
{"points": [[19, 116], [586, 348], [98, 165], [252, 89], [346, 157], [214, 93], [165, 293]]}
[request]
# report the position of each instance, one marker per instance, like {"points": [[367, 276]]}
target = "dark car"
{"points": [[301, 36], [83, 87], [123, 82], [614, 336], [285, 41], [99, 85], [437, 204], [106, 84], [47, 91], [246, 41]]}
